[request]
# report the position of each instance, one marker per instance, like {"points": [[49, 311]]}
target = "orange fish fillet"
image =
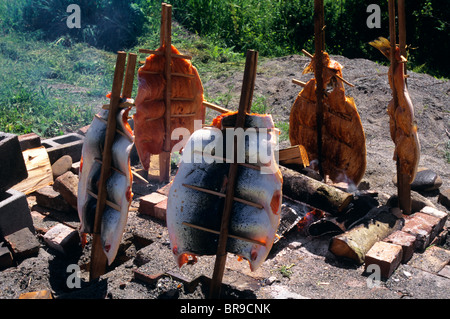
{"points": [[343, 138], [149, 122], [402, 123]]}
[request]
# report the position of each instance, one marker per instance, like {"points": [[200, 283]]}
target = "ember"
{"points": [[308, 219]]}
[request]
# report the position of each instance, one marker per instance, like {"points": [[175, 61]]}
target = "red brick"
{"points": [[432, 260], [67, 186], [165, 189], [160, 210], [443, 216], [23, 244], [62, 238], [148, 202], [386, 255], [407, 241], [419, 226]]}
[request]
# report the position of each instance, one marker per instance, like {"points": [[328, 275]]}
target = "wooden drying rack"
{"points": [[98, 257], [166, 43], [244, 108], [118, 101]]}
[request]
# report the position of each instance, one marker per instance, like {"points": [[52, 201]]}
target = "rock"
{"points": [[444, 197], [61, 166], [425, 180], [67, 186], [23, 244]]}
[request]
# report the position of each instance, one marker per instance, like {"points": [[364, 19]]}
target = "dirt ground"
{"points": [[298, 266]]}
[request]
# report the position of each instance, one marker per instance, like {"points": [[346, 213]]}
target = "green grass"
{"points": [[49, 88]]}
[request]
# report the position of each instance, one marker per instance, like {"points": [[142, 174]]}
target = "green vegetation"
{"points": [[54, 78]]}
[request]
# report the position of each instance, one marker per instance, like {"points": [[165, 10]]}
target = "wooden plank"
{"points": [[244, 106], [294, 155], [39, 170], [98, 257]]}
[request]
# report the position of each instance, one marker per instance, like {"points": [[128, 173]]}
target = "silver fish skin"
{"points": [[118, 185], [202, 209], [93, 144]]}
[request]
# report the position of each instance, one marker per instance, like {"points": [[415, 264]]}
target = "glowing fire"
{"points": [[308, 219]]}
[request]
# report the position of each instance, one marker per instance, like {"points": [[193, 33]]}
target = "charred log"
{"points": [[313, 192]]}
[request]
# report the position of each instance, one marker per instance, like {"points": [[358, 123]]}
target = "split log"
{"points": [[294, 155], [39, 170], [313, 192], [356, 242]]}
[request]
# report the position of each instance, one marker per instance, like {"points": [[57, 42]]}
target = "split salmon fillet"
{"points": [[186, 103], [402, 124], [343, 138]]}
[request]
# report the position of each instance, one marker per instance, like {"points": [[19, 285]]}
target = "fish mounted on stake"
{"points": [[402, 123], [104, 188], [196, 197], [169, 96], [118, 185], [343, 140]]}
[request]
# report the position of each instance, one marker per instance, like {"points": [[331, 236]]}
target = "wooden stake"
{"points": [[403, 185], [98, 257], [244, 106], [402, 29], [129, 76], [318, 73], [166, 41]]}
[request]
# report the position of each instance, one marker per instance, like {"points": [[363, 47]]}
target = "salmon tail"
{"points": [[383, 45]]}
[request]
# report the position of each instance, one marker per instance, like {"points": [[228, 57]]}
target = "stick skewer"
{"points": [[229, 235], [244, 107]]}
